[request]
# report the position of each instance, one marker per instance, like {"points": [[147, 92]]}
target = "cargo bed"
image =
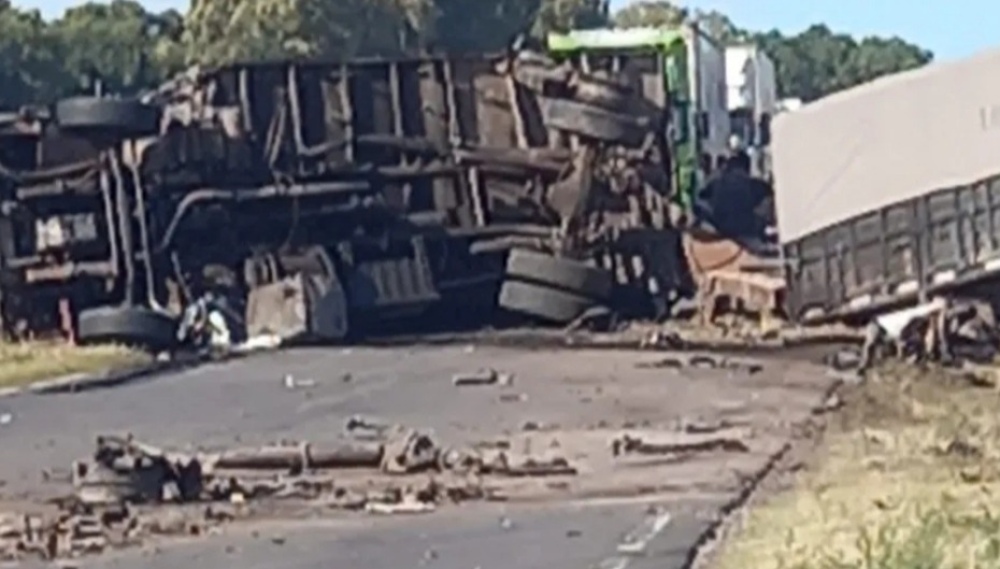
{"points": [[935, 243], [891, 190]]}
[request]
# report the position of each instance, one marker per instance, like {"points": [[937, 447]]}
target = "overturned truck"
{"points": [[333, 199]]}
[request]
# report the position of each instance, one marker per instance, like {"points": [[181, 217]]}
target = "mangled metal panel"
{"points": [[886, 142]]}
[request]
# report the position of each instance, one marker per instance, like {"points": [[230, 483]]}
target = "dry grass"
{"points": [[909, 480], [24, 363]]}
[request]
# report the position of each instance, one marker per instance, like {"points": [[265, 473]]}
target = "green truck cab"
{"points": [[682, 72]]}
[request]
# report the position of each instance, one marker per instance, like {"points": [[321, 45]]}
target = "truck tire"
{"points": [[123, 117], [593, 122], [566, 274], [544, 303], [129, 325], [101, 485]]}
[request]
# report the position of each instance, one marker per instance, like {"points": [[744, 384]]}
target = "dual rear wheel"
{"points": [[553, 289]]}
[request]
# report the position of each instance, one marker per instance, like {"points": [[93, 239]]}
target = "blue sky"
{"points": [[950, 29]]}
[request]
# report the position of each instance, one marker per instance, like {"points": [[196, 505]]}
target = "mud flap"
{"points": [[300, 307]]}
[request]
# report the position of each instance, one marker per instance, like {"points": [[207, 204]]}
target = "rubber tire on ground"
{"points": [[542, 302], [133, 326], [105, 485], [98, 114], [567, 274], [593, 122]]}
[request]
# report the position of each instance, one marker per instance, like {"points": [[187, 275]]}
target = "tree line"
{"points": [[128, 48]]}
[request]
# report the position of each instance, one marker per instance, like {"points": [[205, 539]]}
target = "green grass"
{"points": [[909, 478], [27, 362]]}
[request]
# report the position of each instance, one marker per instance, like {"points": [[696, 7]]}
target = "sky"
{"points": [[951, 29]]}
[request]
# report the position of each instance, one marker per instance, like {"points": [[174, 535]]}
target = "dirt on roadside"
{"points": [[904, 474]]}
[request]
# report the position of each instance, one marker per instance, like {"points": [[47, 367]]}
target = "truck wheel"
{"points": [[567, 274], [594, 122], [101, 485], [131, 325], [542, 302], [125, 117]]}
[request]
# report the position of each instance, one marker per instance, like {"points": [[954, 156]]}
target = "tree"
{"points": [[563, 15], [651, 13], [224, 31], [120, 43], [875, 57], [818, 62], [30, 66], [463, 26], [130, 48]]}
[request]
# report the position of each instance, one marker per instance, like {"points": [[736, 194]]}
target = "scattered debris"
{"points": [[292, 383], [128, 488], [301, 457], [707, 427], [410, 505], [513, 397], [483, 377], [535, 468], [830, 404], [631, 445], [661, 339], [360, 427], [843, 360], [709, 361], [6, 418]]}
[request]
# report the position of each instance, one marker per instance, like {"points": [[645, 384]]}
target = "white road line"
{"points": [[636, 541]]}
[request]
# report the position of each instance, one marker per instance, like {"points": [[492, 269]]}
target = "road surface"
{"points": [[570, 403]]}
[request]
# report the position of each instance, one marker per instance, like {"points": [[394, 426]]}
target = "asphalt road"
{"points": [[576, 398]]}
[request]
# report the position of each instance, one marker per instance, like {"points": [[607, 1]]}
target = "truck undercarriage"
{"points": [[342, 198]]}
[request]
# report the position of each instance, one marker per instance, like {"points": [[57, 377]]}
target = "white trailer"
{"points": [[708, 73], [890, 191]]}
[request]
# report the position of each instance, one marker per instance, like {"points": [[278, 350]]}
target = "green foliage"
{"points": [[818, 61], [651, 13], [29, 56], [128, 47]]}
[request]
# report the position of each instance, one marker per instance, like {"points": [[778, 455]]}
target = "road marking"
{"points": [[636, 541]]}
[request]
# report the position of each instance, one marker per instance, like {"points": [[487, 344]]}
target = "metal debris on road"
{"points": [[482, 377], [709, 361], [130, 489], [407, 506], [633, 445], [513, 397], [362, 428], [695, 427]]}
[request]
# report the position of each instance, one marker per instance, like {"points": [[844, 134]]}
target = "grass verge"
{"points": [[28, 362], [909, 478]]}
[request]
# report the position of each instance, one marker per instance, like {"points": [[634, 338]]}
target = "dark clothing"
{"points": [[730, 201], [739, 161]]}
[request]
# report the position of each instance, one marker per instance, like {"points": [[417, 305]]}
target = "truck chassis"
{"points": [[333, 199]]}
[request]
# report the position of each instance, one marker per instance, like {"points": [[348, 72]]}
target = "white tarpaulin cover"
{"points": [[885, 142]]}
